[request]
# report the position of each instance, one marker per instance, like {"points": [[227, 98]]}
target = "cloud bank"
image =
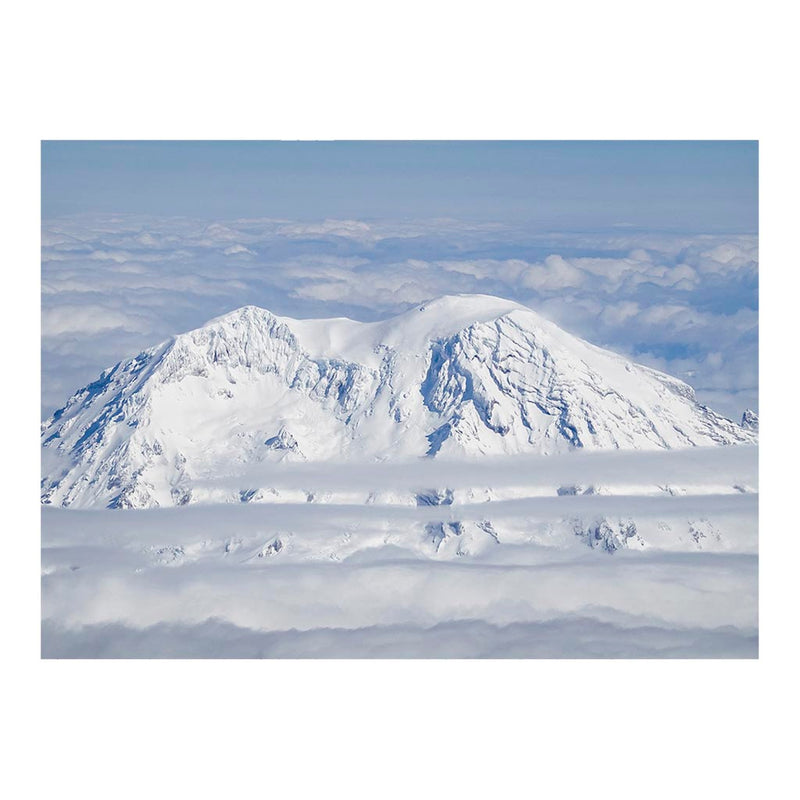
{"points": [[568, 638]]}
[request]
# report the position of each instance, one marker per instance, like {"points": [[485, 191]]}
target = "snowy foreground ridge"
{"points": [[456, 378]]}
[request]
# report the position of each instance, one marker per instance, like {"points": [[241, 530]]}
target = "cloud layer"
{"points": [[575, 637]]}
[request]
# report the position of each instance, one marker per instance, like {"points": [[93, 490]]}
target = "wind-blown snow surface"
{"points": [[465, 479]]}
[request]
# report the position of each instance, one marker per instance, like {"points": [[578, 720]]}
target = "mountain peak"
{"points": [[750, 420], [451, 311], [478, 305], [248, 313]]}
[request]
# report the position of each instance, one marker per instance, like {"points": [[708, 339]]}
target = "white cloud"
{"points": [[235, 249], [87, 320], [555, 273], [107, 591], [618, 313]]}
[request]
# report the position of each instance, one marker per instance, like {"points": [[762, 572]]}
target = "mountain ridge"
{"points": [[458, 375]]}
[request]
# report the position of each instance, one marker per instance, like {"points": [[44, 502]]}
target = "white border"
{"points": [[417, 70]]}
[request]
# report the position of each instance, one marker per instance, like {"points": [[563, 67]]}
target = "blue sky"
{"points": [[699, 187]]}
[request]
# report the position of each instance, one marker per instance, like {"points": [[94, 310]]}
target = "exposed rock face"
{"points": [[750, 420]]}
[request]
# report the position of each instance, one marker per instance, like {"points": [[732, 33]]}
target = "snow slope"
{"points": [[458, 377]]}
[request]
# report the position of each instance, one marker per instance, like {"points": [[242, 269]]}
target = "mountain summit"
{"points": [[461, 375]]}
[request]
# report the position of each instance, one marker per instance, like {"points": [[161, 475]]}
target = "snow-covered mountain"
{"points": [[460, 376], [750, 420]]}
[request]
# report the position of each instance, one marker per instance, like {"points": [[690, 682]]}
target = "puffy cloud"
{"points": [[555, 273], [618, 313], [235, 249], [352, 229], [87, 320]]}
